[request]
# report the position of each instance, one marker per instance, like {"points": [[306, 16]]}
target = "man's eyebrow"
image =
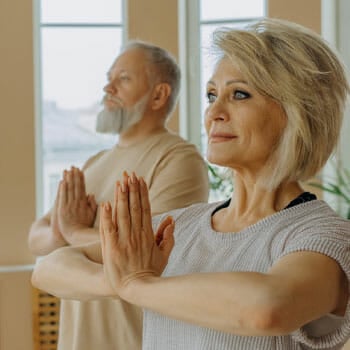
{"points": [[109, 73]]}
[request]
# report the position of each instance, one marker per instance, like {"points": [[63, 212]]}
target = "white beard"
{"points": [[120, 119]]}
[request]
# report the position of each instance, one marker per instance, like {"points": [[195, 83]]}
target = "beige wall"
{"points": [[305, 12], [17, 185], [17, 171], [159, 27]]}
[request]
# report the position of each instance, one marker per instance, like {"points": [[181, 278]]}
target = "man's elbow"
{"points": [[38, 276]]}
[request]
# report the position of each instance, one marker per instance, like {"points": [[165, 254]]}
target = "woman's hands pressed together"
{"points": [[130, 249]]}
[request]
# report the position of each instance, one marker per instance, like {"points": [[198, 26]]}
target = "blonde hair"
{"points": [[295, 67]]}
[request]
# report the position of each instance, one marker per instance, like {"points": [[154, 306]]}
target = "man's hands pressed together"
{"points": [[74, 209]]}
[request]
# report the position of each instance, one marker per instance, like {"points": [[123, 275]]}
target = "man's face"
{"points": [[127, 80], [127, 93]]}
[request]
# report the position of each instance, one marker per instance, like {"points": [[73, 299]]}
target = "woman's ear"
{"points": [[160, 95]]}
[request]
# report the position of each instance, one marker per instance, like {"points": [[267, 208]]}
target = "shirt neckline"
{"points": [[256, 227]]}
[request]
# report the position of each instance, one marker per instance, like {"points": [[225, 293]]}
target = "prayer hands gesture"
{"points": [[129, 247], [73, 209]]}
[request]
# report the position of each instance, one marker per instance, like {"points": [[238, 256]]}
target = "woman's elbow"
{"points": [[272, 320], [268, 318]]}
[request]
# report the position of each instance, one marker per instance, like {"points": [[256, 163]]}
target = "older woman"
{"points": [[270, 268]]}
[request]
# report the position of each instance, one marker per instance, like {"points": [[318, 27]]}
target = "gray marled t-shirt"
{"points": [[312, 226]]}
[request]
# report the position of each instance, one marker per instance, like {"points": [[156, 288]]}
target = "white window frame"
{"points": [[38, 25], [190, 113]]}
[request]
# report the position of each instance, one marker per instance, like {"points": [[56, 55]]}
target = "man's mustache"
{"points": [[112, 98]]}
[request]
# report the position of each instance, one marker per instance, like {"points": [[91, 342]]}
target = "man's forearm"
{"points": [[81, 236], [67, 273], [41, 240]]}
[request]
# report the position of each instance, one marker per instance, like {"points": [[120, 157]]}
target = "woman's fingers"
{"points": [[134, 205], [145, 207], [168, 241], [115, 203], [102, 234], [122, 207], [160, 231], [109, 234]]}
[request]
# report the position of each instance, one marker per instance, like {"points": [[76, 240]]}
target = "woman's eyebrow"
{"points": [[229, 82]]}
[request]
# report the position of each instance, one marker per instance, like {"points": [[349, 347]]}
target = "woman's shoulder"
{"points": [[190, 213]]}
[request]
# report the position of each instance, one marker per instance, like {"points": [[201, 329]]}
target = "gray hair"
{"points": [[295, 67], [162, 68]]}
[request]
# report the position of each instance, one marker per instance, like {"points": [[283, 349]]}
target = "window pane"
{"points": [[231, 9], [74, 66], [81, 11]]}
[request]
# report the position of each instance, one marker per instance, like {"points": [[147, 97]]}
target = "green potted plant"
{"points": [[338, 186], [220, 181]]}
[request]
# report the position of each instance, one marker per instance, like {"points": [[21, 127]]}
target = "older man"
{"points": [[142, 90]]}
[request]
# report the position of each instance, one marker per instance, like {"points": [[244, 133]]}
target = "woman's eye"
{"points": [[211, 97], [124, 77], [240, 95]]}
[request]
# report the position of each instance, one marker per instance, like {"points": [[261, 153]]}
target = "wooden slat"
{"points": [[46, 310]]}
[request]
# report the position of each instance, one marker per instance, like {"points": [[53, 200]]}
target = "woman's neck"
{"points": [[251, 202]]}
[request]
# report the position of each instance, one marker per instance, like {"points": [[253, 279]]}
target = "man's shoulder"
{"points": [[94, 158], [171, 138], [169, 141]]}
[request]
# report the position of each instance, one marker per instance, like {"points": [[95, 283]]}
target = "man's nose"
{"points": [[109, 89]]}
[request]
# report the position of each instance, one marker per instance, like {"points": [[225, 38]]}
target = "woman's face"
{"points": [[243, 126]]}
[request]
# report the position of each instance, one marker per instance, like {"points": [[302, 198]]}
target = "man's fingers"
{"points": [[78, 184], [92, 202], [62, 194], [70, 186]]}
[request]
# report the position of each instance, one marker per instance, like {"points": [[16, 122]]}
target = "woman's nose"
{"points": [[217, 112]]}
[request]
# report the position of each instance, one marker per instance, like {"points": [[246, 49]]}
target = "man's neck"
{"points": [[138, 133]]}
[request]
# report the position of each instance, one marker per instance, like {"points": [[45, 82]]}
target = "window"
{"points": [[78, 42], [215, 14], [201, 18]]}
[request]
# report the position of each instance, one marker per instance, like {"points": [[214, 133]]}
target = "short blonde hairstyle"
{"points": [[294, 66]]}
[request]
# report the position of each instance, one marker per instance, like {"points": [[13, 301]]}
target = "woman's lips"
{"points": [[221, 137]]}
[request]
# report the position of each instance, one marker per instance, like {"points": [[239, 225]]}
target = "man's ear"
{"points": [[160, 95]]}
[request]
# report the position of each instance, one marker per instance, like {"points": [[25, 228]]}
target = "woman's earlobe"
{"points": [[161, 95]]}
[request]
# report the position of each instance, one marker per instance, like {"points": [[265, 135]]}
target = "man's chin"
{"points": [[109, 121]]}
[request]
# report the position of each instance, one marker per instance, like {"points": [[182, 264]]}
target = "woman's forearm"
{"points": [[238, 303], [242, 303]]}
